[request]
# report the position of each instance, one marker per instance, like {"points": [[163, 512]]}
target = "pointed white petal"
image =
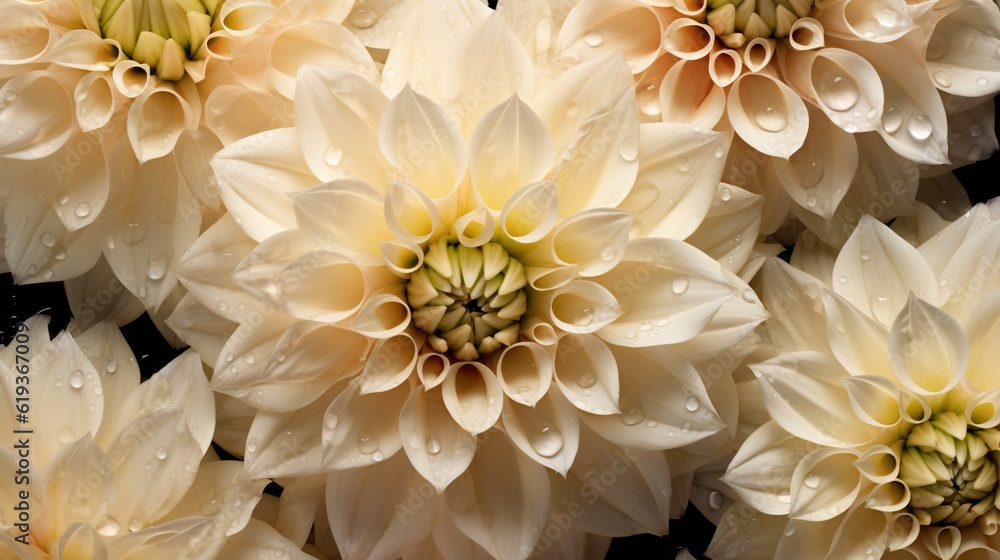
{"points": [[344, 216], [473, 396], [287, 443], [437, 447], [825, 484], [587, 373], [261, 539], [548, 432], [360, 430], [767, 114], [600, 28], [761, 471], [236, 112], [928, 348], [37, 113], [733, 218], [315, 41]]}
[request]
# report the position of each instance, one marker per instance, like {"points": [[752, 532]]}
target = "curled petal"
{"points": [[587, 373], [599, 28], [156, 120], [880, 464], [132, 78], [410, 214], [474, 229], [862, 529], [383, 315], [81, 541], [767, 114], [96, 101], [362, 429], [436, 445], [876, 270], [244, 17], [402, 258], [761, 472], [85, 50], [344, 215], [689, 95], [316, 42], [26, 34], [804, 393], [961, 49], [419, 138], [688, 40], [514, 130], [42, 250], [847, 88], [235, 112], [531, 212], [858, 342], [790, 296], [37, 113], [431, 369], [724, 67], [824, 484], [389, 364], [668, 291], [337, 116], [874, 399], [733, 218], [287, 443], [548, 431], [757, 53], [525, 372], [473, 396], [871, 20], [679, 171], [806, 34], [594, 241], [927, 348]]}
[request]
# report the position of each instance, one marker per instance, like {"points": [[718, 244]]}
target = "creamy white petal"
{"points": [[222, 490], [196, 538], [255, 175], [983, 331], [792, 298], [377, 511], [529, 214], [598, 28], [360, 430], [597, 168], [472, 395], [236, 112], [858, 342], [846, 87], [961, 48], [732, 538], [113, 361], [761, 472], [390, 363], [942, 247], [548, 431], [832, 485], [200, 327], [261, 540], [80, 470], [863, 529], [876, 270], [26, 34], [970, 273], [927, 348], [509, 148], [43, 250], [158, 116], [376, 21], [525, 371], [532, 22], [767, 114], [193, 153], [587, 373], [337, 121], [423, 143], [479, 88], [498, 500], [804, 393], [688, 94], [663, 402], [315, 42], [345, 216], [437, 447], [874, 399], [732, 221], [668, 290], [679, 171], [37, 113], [287, 443]]}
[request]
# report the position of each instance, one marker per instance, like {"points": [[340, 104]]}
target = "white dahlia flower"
{"points": [[884, 441], [833, 102], [482, 297], [97, 465], [110, 110]]}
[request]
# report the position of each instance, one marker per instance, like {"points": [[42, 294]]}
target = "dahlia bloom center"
{"points": [[159, 33], [468, 299], [950, 470], [737, 21]]}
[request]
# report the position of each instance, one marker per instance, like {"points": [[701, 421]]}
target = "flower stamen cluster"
{"points": [[468, 299], [737, 21], [950, 470]]}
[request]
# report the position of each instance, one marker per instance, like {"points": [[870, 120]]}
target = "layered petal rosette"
{"points": [[883, 441], [465, 299], [833, 102], [97, 465], [111, 109]]}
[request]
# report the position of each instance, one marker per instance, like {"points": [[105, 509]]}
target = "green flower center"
{"points": [[469, 300], [738, 21], [951, 470], [160, 33]]}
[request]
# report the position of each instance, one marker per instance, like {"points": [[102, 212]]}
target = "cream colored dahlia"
{"points": [[884, 441], [110, 110], [833, 102], [97, 465], [480, 298]]}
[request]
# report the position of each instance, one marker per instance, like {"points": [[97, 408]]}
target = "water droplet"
{"points": [[632, 415], [108, 527], [811, 202], [725, 194], [82, 210], [865, 256], [982, 81], [547, 440], [683, 165], [76, 379], [919, 126], [249, 358], [377, 456], [812, 481], [47, 239], [790, 529], [272, 177], [942, 79], [892, 119], [785, 499], [433, 446], [367, 444], [843, 279], [631, 334], [161, 453], [593, 38], [770, 119], [808, 166], [65, 435], [692, 403], [111, 366], [361, 17], [98, 390], [629, 149], [836, 89], [749, 296], [222, 305], [587, 380], [332, 156], [156, 266], [134, 524], [608, 252], [679, 285], [251, 448], [716, 500]]}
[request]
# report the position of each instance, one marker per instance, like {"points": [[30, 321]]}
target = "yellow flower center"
{"points": [[951, 470], [737, 21], [468, 299], [160, 33]]}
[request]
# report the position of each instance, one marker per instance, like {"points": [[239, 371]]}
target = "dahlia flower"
{"points": [[884, 436], [478, 288], [111, 109], [833, 102], [97, 465]]}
